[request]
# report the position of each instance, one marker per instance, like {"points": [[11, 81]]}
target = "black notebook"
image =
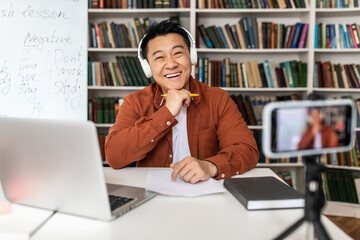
{"points": [[257, 193]]}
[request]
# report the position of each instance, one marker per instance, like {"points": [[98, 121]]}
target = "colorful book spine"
{"points": [[303, 36], [316, 36], [295, 40]]}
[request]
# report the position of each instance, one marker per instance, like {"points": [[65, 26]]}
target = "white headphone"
{"points": [[145, 65]]}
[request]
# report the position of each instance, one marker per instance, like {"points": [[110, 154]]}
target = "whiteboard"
{"points": [[43, 59]]}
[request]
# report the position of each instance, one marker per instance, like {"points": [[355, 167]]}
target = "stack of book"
{"points": [[124, 4], [112, 35], [337, 3], [329, 75], [103, 109], [340, 185], [126, 71], [251, 74], [337, 36], [251, 4], [248, 33]]}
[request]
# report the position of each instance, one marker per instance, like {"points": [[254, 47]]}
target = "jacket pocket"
{"points": [[207, 142]]}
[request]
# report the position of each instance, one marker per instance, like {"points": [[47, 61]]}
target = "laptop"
{"points": [[57, 165]]}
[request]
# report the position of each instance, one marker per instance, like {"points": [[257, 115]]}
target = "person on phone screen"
{"points": [[318, 135]]}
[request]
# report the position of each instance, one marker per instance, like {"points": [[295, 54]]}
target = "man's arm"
{"points": [[238, 150], [133, 136]]}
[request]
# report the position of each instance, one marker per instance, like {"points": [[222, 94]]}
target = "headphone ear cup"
{"points": [[146, 68], [193, 56]]}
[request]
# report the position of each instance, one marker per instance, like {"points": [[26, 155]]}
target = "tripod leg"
{"points": [[290, 229], [320, 231]]}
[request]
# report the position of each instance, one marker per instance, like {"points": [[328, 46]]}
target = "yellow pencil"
{"points": [[191, 95]]}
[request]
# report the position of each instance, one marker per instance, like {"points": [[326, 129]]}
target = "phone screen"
{"points": [[304, 128]]}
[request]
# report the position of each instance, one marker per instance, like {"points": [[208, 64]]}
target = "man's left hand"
{"points": [[193, 170]]}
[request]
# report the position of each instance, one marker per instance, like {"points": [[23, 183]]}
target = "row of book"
{"points": [[126, 71], [337, 3], [124, 4], [251, 106], [248, 33], [103, 109], [330, 75], [349, 158], [341, 186], [251, 4], [337, 36], [113, 35], [251, 74], [258, 139]]}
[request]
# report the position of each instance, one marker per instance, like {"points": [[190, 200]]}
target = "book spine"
{"points": [[316, 36], [251, 32], [222, 36], [304, 36]]}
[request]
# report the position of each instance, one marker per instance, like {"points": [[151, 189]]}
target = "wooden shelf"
{"points": [[343, 167], [252, 10], [281, 165], [255, 50], [138, 10], [112, 50], [104, 125], [112, 88]]}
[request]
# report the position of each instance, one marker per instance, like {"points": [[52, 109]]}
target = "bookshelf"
{"points": [[191, 17]]}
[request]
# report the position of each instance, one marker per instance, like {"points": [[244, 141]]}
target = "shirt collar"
{"points": [[194, 88]]}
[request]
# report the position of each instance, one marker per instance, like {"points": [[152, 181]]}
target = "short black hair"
{"points": [[162, 28]]}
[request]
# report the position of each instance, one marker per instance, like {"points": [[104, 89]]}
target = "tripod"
{"points": [[314, 200]]}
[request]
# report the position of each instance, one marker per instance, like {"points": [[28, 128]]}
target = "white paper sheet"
{"points": [[160, 181]]}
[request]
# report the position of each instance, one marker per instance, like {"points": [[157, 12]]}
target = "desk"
{"points": [[216, 216]]}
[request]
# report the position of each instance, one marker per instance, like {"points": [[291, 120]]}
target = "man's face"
{"points": [[316, 116], [169, 60]]}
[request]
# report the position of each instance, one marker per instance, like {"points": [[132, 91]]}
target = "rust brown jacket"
{"points": [[328, 138], [216, 131]]}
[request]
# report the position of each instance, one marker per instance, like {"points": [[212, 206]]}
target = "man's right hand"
{"points": [[176, 99]]}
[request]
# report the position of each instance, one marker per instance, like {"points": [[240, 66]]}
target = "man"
{"points": [[318, 135], [179, 130]]}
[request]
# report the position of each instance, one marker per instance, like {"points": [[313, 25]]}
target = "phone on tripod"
{"points": [[309, 129]]}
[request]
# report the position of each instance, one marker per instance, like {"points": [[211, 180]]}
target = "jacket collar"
{"points": [[160, 101]]}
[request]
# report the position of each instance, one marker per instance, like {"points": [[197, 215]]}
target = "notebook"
{"points": [[258, 193], [56, 165]]}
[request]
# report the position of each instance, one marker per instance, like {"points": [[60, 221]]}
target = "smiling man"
{"points": [[195, 129]]}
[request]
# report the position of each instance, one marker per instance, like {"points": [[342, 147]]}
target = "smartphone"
{"points": [[308, 128]]}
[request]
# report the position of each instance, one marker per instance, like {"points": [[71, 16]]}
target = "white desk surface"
{"points": [[216, 216]]}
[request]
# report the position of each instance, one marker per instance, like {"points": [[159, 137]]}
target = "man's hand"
{"points": [[193, 170], [176, 99]]}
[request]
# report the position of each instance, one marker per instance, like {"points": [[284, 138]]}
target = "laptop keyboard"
{"points": [[117, 201]]}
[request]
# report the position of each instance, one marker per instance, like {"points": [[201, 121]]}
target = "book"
{"points": [[204, 36], [258, 193]]}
